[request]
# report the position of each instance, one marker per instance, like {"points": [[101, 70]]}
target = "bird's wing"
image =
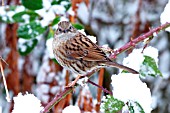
{"points": [[81, 47]]}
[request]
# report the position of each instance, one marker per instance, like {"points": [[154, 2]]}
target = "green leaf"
{"points": [[30, 30], [18, 16], [135, 107], [112, 105], [149, 67], [27, 47], [32, 4], [78, 26], [56, 20]]}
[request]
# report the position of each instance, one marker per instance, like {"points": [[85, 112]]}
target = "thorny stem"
{"points": [[105, 90], [126, 47], [57, 98], [132, 43]]}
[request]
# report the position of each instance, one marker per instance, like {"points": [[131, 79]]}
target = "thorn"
{"points": [[132, 43]]}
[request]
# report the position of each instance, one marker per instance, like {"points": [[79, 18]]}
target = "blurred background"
{"points": [[27, 26]]}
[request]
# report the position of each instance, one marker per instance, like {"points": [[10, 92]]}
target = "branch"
{"points": [[127, 46], [105, 90], [141, 38]]}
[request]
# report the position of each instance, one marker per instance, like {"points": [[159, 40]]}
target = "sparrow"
{"points": [[77, 53]]}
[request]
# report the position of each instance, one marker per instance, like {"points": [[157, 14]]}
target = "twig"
{"points": [[3, 60], [105, 90], [4, 80], [112, 56], [57, 99]]}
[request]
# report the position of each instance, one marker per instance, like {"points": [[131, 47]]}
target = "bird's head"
{"points": [[65, 27]]}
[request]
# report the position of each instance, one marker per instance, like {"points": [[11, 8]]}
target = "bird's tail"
{"points": [[114, 64]]}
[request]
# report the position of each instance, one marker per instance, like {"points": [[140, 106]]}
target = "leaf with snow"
{"points": [[19, 17], [149, 67], [111, 104], [65, 3], [6, 13], [26, 47], [30, 30], [135, 107], [32, 4], [78, 26]]}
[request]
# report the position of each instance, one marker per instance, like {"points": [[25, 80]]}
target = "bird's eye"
{"points": [[59, 30], [70, 27]]}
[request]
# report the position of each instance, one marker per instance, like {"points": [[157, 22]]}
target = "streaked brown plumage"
{"points": [[77, 53]]}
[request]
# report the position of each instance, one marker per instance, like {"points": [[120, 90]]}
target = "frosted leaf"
{"points": [[136, 58]]}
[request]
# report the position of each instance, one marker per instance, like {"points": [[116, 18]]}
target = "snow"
{"points": [[58, 9], [165, 16], [42, 92], [27, 103], [47, 16], [152, 52], [82, 82], [0, 109], [165, 58], [8, 14], [49, 47], [26, 18], [134, 59], [49, 12], [128, 86], [70, 108], [54, 89], [50, 77], [71, 12], [21, 44], [92, 38], [83, 12], [2, 10], [19, 9], [44, 88], [46, 4]]}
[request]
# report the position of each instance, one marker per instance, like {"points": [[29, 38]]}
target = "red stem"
{"points": [[132, 43], [105, 90]]}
